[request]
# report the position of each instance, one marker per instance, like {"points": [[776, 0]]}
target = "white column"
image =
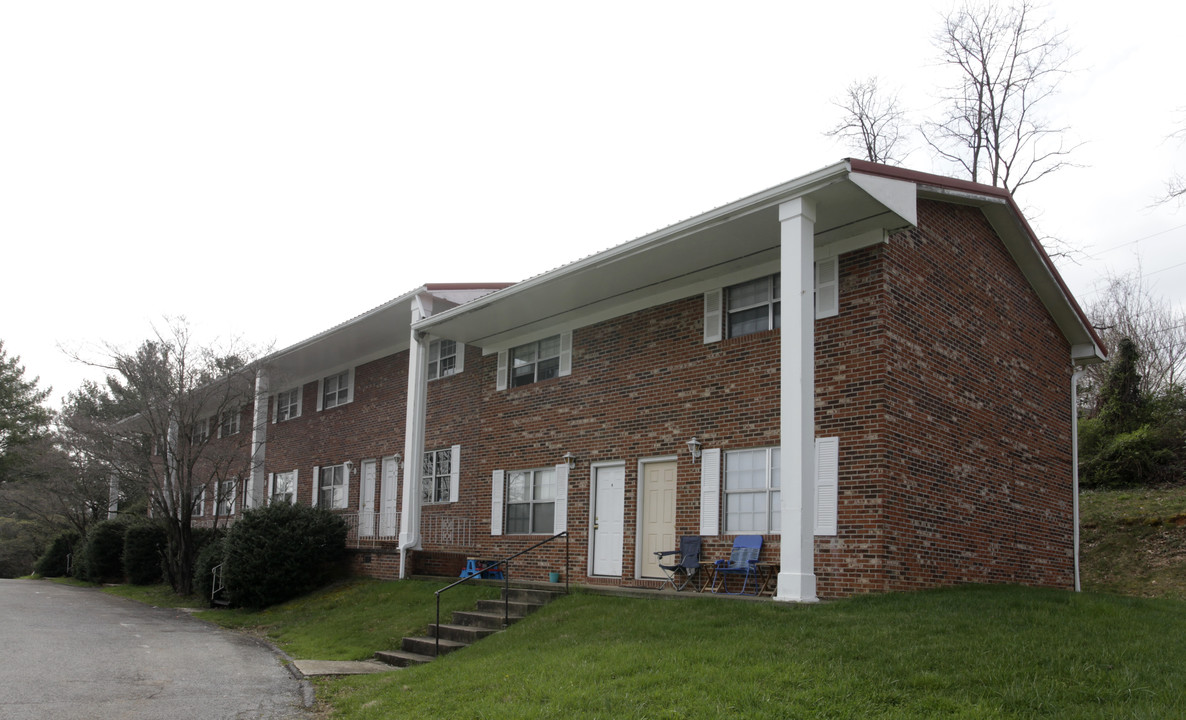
{"points": [[796, 578], [409, 517], [112, 496], [259, 442]]}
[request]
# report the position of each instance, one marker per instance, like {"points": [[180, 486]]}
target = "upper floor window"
{"points": [[336, 390], [535, 361], [229, 424], [288, 404], [444, 358], [754, 306], [199, 432], [531, 501], [753, 491], [332, 487]]}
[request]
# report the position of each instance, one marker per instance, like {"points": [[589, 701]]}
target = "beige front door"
{"points": [[658, 515]]}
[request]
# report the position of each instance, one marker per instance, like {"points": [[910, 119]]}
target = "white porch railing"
{"points": [[454, 533], [369, 528]]}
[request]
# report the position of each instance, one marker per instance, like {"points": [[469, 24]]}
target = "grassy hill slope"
{"points": [[1134, 542]]}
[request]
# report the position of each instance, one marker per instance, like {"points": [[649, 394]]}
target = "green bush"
{"points": [[280, 552], [213, 553], [54, 562], [1140, 457], [144, 547], [102, 553]]}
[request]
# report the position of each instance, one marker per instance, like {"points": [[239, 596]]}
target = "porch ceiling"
{"points": [[739, 236]]}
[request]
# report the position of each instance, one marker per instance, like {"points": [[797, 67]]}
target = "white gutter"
{"points": [[1075, 463]]}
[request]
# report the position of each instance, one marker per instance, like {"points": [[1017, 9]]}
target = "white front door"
{"points": [[658, 515], [389, 499], [609, 508], [366, 500]]}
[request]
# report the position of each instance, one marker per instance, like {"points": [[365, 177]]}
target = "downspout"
{"points": [[1075, 464], [409, 519]]}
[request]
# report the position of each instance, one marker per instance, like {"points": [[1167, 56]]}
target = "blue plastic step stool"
{"points": [[473, 567]]}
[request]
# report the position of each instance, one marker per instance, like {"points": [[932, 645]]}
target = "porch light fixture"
{"points": [[396, 458], [569, 459], [694, 448]]}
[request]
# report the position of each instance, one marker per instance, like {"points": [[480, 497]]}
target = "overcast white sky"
{"points": [[270, 169]]}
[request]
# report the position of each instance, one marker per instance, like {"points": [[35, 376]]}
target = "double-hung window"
{"points": [[754, 306], [229, 424], [335, 390], [199, 432], [284, 487], [443, 358], [752, 491], [435, 476], [198, 509], [535, 361], [225, 502], [332, 487], [531, 501], [288, 404]]}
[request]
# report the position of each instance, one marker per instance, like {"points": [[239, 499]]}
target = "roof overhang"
{"points": [[382, 331], [720, 247]]}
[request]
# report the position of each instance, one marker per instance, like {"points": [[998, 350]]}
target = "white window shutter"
{"points": [[350, 386], [827, 288], [454, 472], [234, 494], [713, 316], [827, 481], [320, 393], [316, 484], [560, 510], [345, 486], [271, 488], [275, 410], [300, 398], [496, 481], [565, 353], [459, 363], [501, 381], [710, 492]]}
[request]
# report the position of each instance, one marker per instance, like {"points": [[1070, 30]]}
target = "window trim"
{"points": [[458, 357], [297, 393], [321, 392], [272, 480], [318, 472], [224, 500], [767, 491], [532, 503], [772, 304], [449, 478], [234, 417], [503, 376]]}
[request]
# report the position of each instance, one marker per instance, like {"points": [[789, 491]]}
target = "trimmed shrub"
{"points": [[54, 561], [213, 553], [280, 552], [102, 553], [144, 547]]}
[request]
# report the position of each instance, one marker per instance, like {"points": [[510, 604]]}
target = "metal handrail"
{"points": [[506, 581]]}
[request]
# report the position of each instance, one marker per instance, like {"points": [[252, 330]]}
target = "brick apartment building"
{"points": [[873, 366]]}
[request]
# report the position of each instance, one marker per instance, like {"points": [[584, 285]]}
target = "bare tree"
{"points": [[1009, 62], [1128, 308], [872, 121], [1175, 187], [173, 397]]}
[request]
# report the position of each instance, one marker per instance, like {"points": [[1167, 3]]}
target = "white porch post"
{"points": [[409, 517], [259, 442], [796, 578]]}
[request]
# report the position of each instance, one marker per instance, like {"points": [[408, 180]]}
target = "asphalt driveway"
{"points": [[68, 652]]}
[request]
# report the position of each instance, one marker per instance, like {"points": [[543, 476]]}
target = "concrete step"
{"points": [[428, 645], [469, 634], [399, 658], [517, 608], [489, 620], [531, 595]]}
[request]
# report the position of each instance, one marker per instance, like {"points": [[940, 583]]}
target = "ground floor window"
{"points": [[225, 504], [332, 488], [531, 501], [752, 491], [435, 474], [284, 487]]}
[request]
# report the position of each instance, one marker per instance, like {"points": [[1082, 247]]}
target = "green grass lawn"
{"points": [[969, 652]]}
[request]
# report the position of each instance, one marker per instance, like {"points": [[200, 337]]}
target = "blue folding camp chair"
{"points": [[686, 565], [742, 561]]}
